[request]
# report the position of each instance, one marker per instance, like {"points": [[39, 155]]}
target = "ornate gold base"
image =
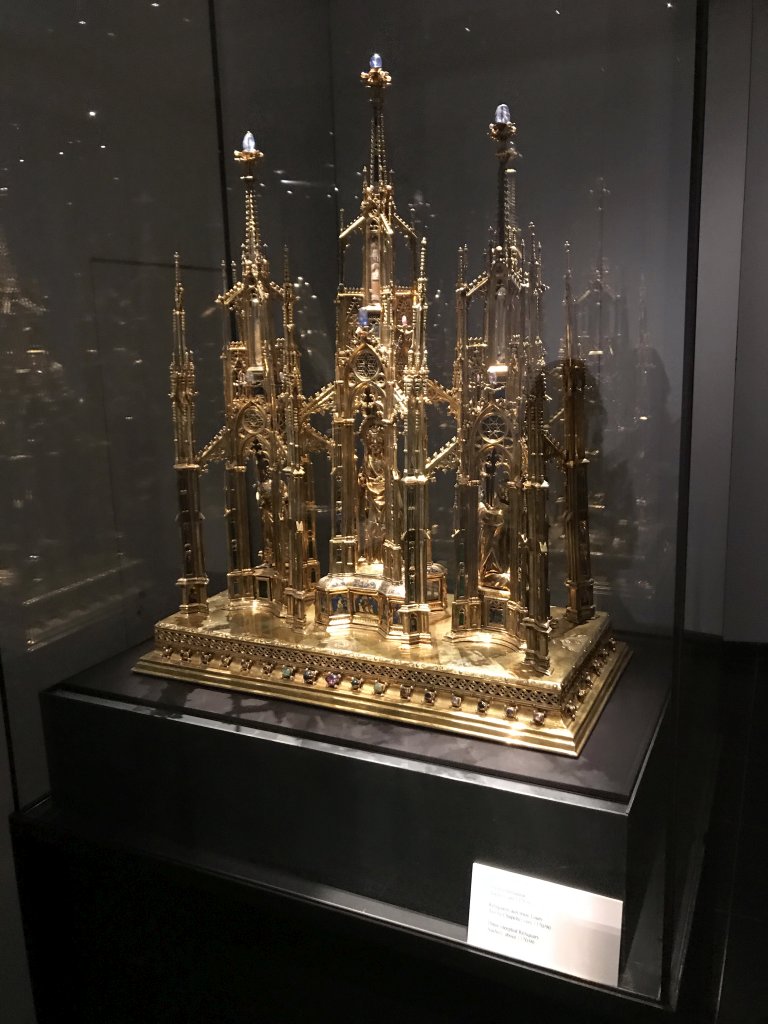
{"points": [[477, 690]]}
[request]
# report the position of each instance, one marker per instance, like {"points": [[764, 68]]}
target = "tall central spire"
{"points": [[503, 132], [249, 156], [377, 79]]}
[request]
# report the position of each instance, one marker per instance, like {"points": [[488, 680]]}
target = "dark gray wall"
{"points": [[720, 265], [744, 617], [727, 549]]}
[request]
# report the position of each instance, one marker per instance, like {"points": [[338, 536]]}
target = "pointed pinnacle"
{"points": [[178, 291], [462, 267], [570, 348], [251, 224]]}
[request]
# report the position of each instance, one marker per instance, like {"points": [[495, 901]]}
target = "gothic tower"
{"points": [[500, 523], [264, 421], [380, 551]]}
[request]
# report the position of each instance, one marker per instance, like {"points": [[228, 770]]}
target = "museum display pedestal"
{"points": [[376, 812]]}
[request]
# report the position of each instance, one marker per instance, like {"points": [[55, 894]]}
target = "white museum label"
{"points": [[543, 923]]}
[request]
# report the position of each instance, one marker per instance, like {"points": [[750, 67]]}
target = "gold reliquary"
{"points": [[379, 634]]}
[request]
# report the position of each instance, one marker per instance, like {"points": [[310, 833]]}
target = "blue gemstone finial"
{"points": [[362, 316], [375, 61], [249, 143], [502, 114]]}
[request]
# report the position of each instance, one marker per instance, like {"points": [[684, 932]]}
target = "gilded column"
{"points": [[240, 580], [414, 614], [465, 612], [343, 545], [537, 621], [296, 594]]}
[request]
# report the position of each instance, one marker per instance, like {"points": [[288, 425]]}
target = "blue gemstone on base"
{"points": [[375, 61]]}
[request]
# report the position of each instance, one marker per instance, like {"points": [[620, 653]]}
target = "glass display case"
{"points": [[422, 448]]}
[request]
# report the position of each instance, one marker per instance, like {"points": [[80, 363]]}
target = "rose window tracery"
{"points": [[366, 365], [253, 419], [493, 428]]}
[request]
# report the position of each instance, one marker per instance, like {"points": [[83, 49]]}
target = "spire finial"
{"points": [[249, 156], [570, 347], [502, 131], [180, 354], [377, 79]]}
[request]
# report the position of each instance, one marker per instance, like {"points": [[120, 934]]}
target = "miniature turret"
{"points": [[491, 535], [271, 553]]}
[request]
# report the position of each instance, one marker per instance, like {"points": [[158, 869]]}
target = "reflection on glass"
{"points": [[46, 593]]}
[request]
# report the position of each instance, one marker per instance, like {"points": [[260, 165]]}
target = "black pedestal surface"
{"points": [[391, 813]]}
